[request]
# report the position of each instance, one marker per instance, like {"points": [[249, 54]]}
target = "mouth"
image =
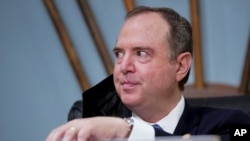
{"points": [[127, 85]]}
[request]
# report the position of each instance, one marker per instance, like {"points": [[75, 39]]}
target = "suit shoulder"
{"points": [[223, 116]]}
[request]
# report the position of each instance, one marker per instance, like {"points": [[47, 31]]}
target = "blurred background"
{"points": [[38, 84]]}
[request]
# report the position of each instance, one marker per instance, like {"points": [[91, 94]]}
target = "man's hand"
{"points": [[88, 129]]}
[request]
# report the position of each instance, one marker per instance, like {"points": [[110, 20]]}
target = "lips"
{"points": [[128, 84]]}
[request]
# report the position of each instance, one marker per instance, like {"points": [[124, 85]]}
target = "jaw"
{"points": [[152, 109]]}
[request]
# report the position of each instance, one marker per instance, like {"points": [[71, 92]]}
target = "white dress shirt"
{"points": [[144, 130]]}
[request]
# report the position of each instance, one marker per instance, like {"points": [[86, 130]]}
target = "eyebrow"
{"points": [[116, 48], [134, 48], [146, 48]]}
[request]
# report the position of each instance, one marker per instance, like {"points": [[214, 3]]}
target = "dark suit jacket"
{"points": [[102, 100]]}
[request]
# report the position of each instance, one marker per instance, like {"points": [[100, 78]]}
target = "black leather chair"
{"points": [[241, 102], [75, 110]]}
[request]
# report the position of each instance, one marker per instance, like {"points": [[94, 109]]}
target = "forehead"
{"points": [[145, 29]]}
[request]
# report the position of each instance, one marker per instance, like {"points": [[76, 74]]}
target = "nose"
{"points": [[127, 65]]}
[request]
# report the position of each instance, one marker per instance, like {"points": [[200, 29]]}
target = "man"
{"points": [[153, 59]]}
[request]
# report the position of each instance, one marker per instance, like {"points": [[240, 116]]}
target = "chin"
{"points": [[130, 100]]}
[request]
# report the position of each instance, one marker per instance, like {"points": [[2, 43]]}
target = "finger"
{"points": [[55, 135], [70, 134], [58, 133], [84, 135]]}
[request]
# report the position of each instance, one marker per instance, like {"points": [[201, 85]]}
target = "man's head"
{"points": [[179, 36], [153, 57]]}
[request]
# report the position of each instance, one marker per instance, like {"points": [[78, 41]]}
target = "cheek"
{"points": [[165, 74], [115, 68], [160, 78], [116, 73], [116, 78]]}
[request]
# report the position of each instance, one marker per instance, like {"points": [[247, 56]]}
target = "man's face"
{"points": [[143, 73]]}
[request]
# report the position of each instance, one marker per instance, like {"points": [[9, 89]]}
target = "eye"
{"points": [[142, 53], [118, 54], [143, 56]]}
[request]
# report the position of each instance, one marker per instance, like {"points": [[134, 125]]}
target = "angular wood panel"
{"points": [[96, 35], [67, 44]]}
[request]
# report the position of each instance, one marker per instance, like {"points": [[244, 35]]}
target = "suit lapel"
{"points": [[188, 123]]}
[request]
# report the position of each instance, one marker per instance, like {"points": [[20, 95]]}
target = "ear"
{"points": [[183, 61]]}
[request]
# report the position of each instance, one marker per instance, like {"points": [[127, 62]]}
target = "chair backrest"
{"points": [[241, 102], [76, 110]]}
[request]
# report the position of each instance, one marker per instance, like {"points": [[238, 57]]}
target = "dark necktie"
{"points": [[159, 131]]}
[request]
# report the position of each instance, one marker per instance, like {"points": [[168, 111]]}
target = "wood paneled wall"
{"points": [[103, 52]]}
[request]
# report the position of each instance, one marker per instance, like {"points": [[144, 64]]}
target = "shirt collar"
{"points": [[169, 122]]}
